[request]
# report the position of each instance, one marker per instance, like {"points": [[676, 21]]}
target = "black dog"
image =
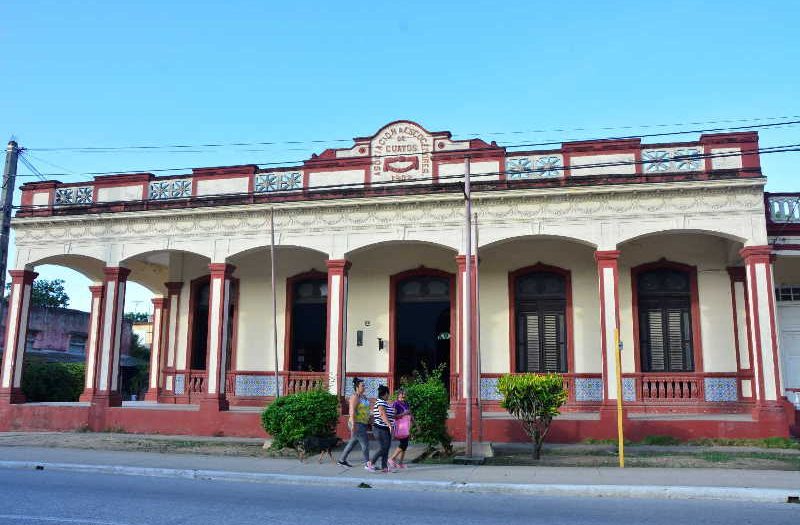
{"points": [[312, 445]]}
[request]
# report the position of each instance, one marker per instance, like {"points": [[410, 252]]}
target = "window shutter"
{"points": [[655, 339], [532, 341], [553, 341], [675, 339]]}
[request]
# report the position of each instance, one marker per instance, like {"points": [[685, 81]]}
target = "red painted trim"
{"points": [[512, 313], [737, 275], [173, 289], [607, 259], [288, 315], [697, 341], [394, 280], [773, 330], [336, 267], [114, 277], [23, 278]]}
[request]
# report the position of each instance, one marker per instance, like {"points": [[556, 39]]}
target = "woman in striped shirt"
{"points": [[382, 420]]}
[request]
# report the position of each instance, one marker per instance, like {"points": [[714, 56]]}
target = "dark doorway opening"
{"points": [[200, 325], [309, 325], [422, 325]]}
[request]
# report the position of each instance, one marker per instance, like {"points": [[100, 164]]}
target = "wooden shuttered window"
{"points": [[541, 323], [665, 321]]}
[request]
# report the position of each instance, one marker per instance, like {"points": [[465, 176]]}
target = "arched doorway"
{"points": [[422, 305], [308, 304], [541, 319]]}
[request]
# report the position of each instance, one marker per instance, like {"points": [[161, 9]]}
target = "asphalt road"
{"points": [[42, 497]]}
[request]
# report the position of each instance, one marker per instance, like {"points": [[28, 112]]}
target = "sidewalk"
{"points": [[753, 485]]}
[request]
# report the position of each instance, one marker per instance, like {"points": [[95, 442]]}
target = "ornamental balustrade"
{"points": [[784, 208], [74, 195], [303, 381]]}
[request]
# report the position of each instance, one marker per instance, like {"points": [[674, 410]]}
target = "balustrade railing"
{"points": [[669, 388], [303, 381], [196, 383], [784, 208]]}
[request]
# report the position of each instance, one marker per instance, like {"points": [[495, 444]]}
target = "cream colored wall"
{"points": [[498, 260], [369, 296], [712, 256], [254, 339]]}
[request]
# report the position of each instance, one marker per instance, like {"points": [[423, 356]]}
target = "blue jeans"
{"points": [[384, 438], [359, 436]]}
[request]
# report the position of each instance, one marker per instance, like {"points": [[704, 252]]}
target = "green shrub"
{"points": [[534, 400], [429, 401], [292, 418], [52, 381]]}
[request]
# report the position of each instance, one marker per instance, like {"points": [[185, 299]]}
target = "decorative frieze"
{"points": [[255, 386], [588, 389], [371, 385], [278, 181], [170, 189], [74, 195], [489, 390], [720, 389], [534, 167], [665, 160]]}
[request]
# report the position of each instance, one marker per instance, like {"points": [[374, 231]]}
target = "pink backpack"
{"points": [[402, 427]]}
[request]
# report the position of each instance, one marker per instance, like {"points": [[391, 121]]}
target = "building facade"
{"points": [[666, 245]]}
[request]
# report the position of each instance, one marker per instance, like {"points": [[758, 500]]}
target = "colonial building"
{"points": [[666, 244]]}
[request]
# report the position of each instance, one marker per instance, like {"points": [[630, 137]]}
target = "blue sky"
{"points": [[141, 73]]}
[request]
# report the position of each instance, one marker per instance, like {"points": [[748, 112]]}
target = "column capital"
{"points": [[97, 290], [158, 302], [174, 287], [22, 276], [606, 256], [340, 266], [461, 261], [116, 273], [757, 254], [221, 269], [737, 274]]}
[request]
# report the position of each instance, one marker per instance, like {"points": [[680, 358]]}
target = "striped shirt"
{"points": [[376, 413]]}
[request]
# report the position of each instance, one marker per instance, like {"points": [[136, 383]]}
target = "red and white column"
{"points": [[763, 331], [741, 331], [110, 342], [93, 341], [467, 326], [608, 277], [218, 313], [337, 324], [16, 332], [156, 350], [169, 343]]}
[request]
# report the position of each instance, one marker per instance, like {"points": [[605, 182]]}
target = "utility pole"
{"points": [[9, 181], [467, 344]]}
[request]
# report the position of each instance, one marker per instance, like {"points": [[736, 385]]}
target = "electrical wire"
{"points": [[289, 164], [412, 182], [473, 135]]}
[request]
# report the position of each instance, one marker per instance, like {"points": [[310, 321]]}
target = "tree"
{"points": [[137, 317], [49, 294], [534, 400]]}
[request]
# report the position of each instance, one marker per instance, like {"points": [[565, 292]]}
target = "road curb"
{"points": [[762, 495]]}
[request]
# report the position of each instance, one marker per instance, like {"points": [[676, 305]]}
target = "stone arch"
{"points": [[515, 237], [639, 235], [399, 242], [89, 267]]}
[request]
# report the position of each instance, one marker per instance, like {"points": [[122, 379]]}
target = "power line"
{"points": [[473, 135], [388, 183], [473, 150]]}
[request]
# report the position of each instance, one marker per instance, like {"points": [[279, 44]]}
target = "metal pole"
{"points": [[274, 300], [9, 178], [478, 330], [620, 436], [468, 307]]}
